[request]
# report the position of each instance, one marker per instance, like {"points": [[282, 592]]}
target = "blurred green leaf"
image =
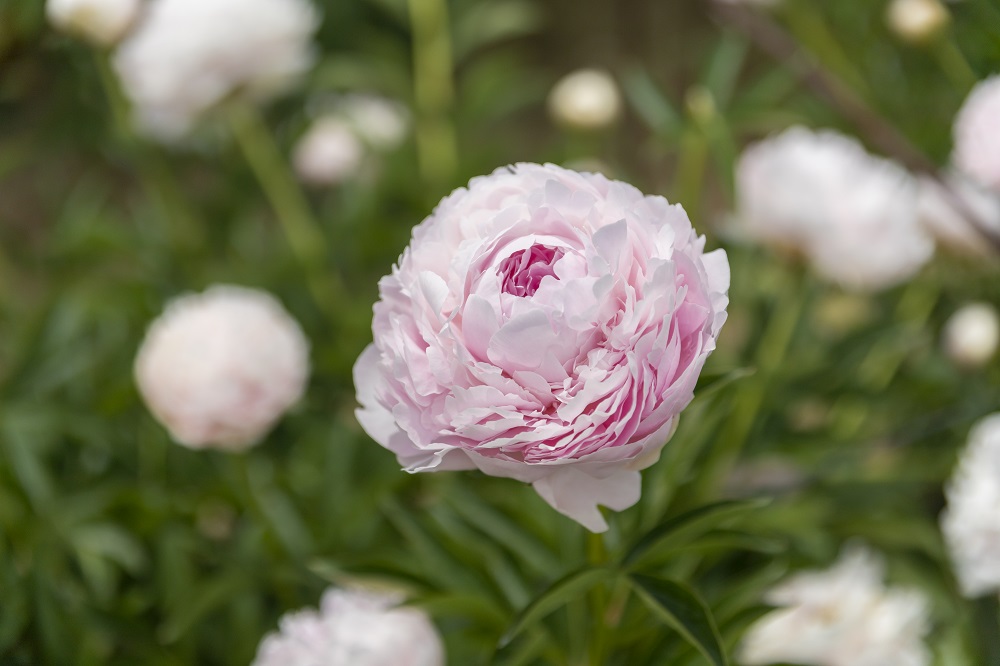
{"points": [[485, 24], [679, 607]]}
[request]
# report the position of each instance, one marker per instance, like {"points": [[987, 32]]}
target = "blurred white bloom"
{"points": [[586, 99], [946, 212], [102, 22], [353, 628], [972, 334], [971, 520], [217, 369], [186, 56], [977, 134], [844, 616], [853, 215], [381, 122], [752, 3], [328, 153], [917, 21]]}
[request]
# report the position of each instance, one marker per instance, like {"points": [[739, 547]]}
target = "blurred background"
{"points": [[844, 407]]}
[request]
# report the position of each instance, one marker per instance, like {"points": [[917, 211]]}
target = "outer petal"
{"points": [[576, 494]]}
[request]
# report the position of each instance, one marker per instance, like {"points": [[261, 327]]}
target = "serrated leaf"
{"points": [[679, 607], [569, 587], [676, 528]]}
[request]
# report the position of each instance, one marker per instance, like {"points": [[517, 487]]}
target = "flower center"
{"points": [[522, 272]]}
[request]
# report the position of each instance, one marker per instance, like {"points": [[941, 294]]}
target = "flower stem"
{"points": [[433, 90], [597, 556], [954, 64]]}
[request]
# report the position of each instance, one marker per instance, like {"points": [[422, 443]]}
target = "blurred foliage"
{"points": [[119, 547]]}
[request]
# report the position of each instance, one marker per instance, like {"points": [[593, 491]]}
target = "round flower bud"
{"points": [[353, 628], [972, 335], [970, 521], [547, 326], [917, 21], [852, 215], [101, 22], [976, 135], [219, 368], [187, 56], [958, 212], [381, 122], [843, 616], [328, 153], [586, 99]]}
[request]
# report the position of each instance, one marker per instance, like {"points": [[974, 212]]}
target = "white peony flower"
{"points": [[851, 214], [381, 122], [917, 21], [586, 99], [188, 55], [353, 628], [971, 519], [217, 369], [102, 22], [946, 213], [972, 334], [328, 153], [844, 616], [976, 134]]}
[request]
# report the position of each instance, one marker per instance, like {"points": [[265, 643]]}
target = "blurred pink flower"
{"points": [[977, 134], [547, 326]]}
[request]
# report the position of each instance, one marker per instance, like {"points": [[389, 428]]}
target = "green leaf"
{"points": [[651, 104], [571, 586], [684, 525], [489, 23], [711, 383], [681, 608]]}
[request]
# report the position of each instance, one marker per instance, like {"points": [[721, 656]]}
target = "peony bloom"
{"points": [[187, 56], [353, 628], [328, 153], [971, 520], [972, 334], [547, 326], [381, 122], [217, 369], [917, 21], [977, 134], [586, 99], [946, 213], [102, 22], [852, 215], [844, 616]]}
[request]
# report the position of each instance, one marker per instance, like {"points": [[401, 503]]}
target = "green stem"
{"points": [[301, 229], [954, 64], [691, 170], [597, 555], [812, 32], [914, 309], [433, 90]]}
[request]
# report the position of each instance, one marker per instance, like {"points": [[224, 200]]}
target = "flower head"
{"points": [[844, 616], [102, 22], [976, 134], [971, 520], [544, 325], [917, 20], [187, 56], [586, 99], [852, 215], [217, 369], [330, 152], [353, 628], [972, 334]]}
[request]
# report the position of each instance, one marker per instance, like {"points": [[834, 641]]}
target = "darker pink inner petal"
{"points": [[522, 272]]}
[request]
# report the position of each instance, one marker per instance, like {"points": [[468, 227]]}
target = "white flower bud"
{"points": [[972, 334], [976, 134], [328, 153], [218, 369], [586, 99], [381, 122], [354, 628], [101, 22], [917, 21]]}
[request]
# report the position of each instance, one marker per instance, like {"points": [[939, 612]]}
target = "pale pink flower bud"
{"points": [[586, 99], [102, 22], [187, 56], [354, 628], [843, 616], [544, 325], [852, 215], [917, 21], [972, 335], [976, 134], [971, 521], [219, 368], [328, 153]]}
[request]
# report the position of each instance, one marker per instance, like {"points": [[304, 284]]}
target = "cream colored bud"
{"points": [[101, 22], [972, 334], [917, 21], [586, 99]]}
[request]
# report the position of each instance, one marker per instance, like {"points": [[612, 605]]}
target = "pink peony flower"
{"points": [[977, 134], [547, 326]]}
